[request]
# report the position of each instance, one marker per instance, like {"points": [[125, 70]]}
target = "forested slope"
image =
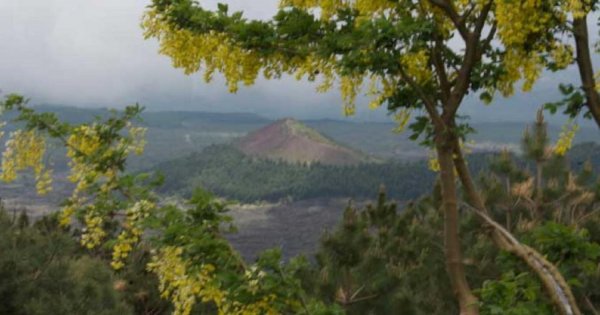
{"points": [[226, 171]]}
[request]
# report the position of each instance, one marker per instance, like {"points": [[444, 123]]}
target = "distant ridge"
{"points": [[291, 141], [156, 119]]}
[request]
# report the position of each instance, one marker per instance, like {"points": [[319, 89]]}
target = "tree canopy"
{"points": [[419, 57]]}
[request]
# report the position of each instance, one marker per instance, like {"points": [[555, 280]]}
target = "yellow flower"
{"points": [[434, 163], [132, 232], [402, 118], [23, 150], [93, 233], [565, 140], [416, 65], [179, 285]]}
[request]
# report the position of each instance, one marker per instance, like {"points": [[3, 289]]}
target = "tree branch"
{"points": [[456, 19], [586, 69], [471, 58], [440, 69], [429, 103]]}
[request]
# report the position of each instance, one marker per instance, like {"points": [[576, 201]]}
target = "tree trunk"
{"points": [[508, 209], [554, 283], [586, 68], [539, 190], [467, 301]]}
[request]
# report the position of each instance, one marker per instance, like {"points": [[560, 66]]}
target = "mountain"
{"points": [[291, 141], [176, 134]]}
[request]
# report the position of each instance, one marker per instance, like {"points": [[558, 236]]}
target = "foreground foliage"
{"points": [[45, 271], [196, 268], [420, 57], [379, 260]]}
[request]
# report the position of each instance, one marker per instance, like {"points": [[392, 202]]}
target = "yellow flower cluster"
{"points": [[211, 51], [184, 288], [253, 275], [261, 307], [578, 8], [85, 148], [518, 22], [181, 287], [310, 67], [81, 144], [68, 211], [43, 182], [214, 52], [519, 64], [402, 117], [132, 232], [379, 95], [137, 137], [371, 7], [433, 163], [562, 55], [417, 66], [121, 250], [93, 232], [26, 149], [565, 140], [349, 88]]}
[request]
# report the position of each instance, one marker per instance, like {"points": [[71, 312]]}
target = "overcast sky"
{"points": [[92, 53]]}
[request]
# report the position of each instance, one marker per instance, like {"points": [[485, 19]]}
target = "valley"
{"points": [[287, 191]]}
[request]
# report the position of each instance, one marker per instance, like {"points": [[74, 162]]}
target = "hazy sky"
{"points": [[92, 53]]}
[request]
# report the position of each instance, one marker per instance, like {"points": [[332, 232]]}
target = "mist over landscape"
{"points": [[108, 63]]}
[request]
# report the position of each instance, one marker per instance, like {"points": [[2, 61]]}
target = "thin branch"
{"points": [[427, 101], [468, 12], [456, 19], [440, 69], [490, 35], [471, 58]]}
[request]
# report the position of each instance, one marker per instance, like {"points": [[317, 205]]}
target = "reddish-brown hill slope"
{"points": [[291, 141]]}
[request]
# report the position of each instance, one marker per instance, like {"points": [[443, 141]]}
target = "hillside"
{"points": [[176, 134], [227, 172], [291, 141]]}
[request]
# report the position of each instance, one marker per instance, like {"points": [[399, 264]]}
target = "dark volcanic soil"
{"points": [[296, 228]]}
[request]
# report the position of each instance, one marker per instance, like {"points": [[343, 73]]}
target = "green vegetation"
{"points": [[169, 133], [521, 237], [45, 271], [380, 259], [229, 173], [422, 58]]}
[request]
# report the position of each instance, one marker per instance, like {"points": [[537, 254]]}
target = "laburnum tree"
{"points": [[589, 85], [420, 58], [577, 28], [562, 23], [120, 217]]}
